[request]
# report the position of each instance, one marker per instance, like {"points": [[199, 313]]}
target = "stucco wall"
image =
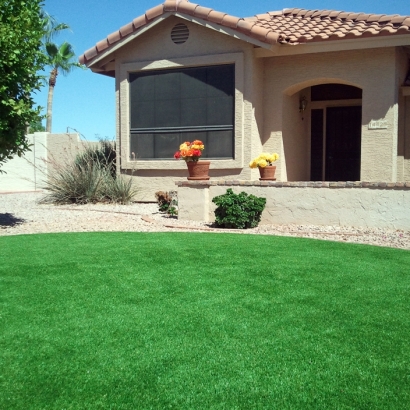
{"points": [[48, 151], [26, 172], [360, 204], [371, 70]]}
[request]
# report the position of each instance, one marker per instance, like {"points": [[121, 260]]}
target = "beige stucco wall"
{"points": [[48, 151], [361, 207], [371, 70], [25, 173]]}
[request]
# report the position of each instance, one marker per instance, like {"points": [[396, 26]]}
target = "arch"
{"points": [[295, 88], [319, 142]]}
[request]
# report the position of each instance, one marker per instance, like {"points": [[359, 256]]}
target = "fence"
{"points": [[28, 173]]}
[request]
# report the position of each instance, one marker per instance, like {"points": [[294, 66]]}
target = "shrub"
{"points": [[238, 211], [89, 178], [167, 202], [105, 154]]}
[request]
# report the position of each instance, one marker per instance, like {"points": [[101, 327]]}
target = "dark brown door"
{"points": [[343, 143]]}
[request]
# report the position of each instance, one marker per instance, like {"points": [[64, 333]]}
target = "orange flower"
{"points": [[197, 142]]}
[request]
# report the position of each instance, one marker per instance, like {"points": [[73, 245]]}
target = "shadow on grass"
{"points": [[9, 220]]}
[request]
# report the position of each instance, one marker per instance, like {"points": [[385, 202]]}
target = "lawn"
{"points": [[202, 321]]}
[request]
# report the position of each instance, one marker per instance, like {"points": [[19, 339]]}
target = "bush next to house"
{"points": [[89, 178], [238, 211]]}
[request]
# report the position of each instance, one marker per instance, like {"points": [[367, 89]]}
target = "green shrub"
{"points": [[238, 211]]}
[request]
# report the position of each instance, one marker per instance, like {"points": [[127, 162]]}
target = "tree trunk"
{"points": [[51, 83]]}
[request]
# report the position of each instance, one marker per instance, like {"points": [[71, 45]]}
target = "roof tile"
{"points": [[202, 12], [127, 29], [91, 53], [154, 12], [170, 5], [114, 37], [102, 45], [216, 16], [139, 22], [230, 21], [186, 7]]}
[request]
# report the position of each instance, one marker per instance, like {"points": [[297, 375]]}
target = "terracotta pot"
{"points": [[267, 173], [198, 170]]}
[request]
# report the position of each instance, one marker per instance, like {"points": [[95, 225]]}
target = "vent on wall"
{"points": [[179, 33]]}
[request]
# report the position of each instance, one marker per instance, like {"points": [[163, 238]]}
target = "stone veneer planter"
{"points": [[357, 203]]}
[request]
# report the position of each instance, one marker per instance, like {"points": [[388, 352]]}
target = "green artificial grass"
{"points": [[202, 321]]}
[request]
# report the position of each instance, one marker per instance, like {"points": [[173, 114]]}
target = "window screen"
{"points": [[169, 107]]}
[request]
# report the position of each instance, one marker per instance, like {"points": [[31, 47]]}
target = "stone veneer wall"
{"points": [[359, 203]]}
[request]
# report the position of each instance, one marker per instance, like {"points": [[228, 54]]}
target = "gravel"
{"points": [[20, 213]]}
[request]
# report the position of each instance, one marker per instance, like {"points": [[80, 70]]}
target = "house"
{"points": [[329, 91]]}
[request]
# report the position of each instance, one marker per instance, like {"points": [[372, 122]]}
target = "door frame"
{"points": [[322, 105]]}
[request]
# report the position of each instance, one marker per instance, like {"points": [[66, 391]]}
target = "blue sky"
{"points": [[85, 101]]}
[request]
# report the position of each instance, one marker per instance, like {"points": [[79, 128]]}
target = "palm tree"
{"points": [[51, 27], [60, 58]]}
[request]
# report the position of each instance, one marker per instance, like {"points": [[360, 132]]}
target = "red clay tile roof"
{"points": [[291, 26], [297, 26]]}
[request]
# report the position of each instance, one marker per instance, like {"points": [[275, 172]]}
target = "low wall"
{"points": [[361, 204], [28, 172]]}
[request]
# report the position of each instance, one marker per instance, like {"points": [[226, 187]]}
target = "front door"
{"points": [[343, 142], [336, 148]]}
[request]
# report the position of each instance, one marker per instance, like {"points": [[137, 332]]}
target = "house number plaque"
{"points": [[378, 125]]}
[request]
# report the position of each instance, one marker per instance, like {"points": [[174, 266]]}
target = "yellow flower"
{"points": [[183, 146], [262, 163], [253, 164], [196, 146]]}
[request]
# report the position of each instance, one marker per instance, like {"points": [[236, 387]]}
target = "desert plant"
{"points": [[238, 211], [89, 178], [105, 154], [167, 202], [119, 189]]}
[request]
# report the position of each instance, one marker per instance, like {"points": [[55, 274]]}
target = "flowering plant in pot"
{"points": [[190, 153], [265, 164]]}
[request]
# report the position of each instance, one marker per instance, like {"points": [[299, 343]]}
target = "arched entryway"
{"points": [[323, 143], [335, 132]]}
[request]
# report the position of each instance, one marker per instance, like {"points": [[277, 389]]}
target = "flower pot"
{"points": [[198, 170], [267, 173]]}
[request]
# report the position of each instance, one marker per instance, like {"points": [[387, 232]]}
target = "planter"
{"points": [[267, 173], [198, 170]]}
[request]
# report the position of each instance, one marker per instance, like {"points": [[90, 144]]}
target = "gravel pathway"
{"points": [[20, 213]]}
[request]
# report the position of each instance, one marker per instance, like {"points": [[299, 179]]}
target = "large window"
{"points": [[169, 107]]}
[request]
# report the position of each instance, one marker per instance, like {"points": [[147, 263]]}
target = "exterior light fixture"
{"points": [[302, 105]]}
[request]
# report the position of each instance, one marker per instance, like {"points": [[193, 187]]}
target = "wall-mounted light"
{"points": [[302, 105]]}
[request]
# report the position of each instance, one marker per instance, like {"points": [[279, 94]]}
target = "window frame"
{"points": [[123, 106], [179, 130]]}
